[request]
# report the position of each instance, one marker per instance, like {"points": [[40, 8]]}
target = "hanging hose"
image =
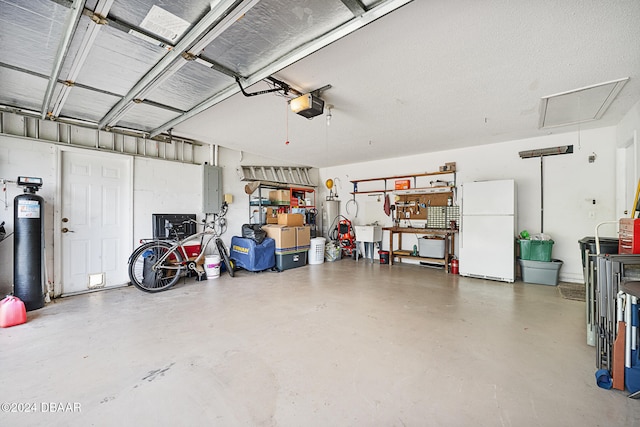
{"points": [[346, 207]]}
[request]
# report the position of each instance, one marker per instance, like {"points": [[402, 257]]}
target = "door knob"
{"points": [[65, 219], [66, 230]]}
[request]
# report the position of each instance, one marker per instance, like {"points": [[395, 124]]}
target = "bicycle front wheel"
{"points": [[145, 277]]}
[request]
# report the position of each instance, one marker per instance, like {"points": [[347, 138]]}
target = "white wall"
{"points": [[159, 187], [23, 157], [571, 183], [166, 188]]}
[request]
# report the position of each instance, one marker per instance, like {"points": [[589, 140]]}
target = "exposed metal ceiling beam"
{"points": [[355, 6], [97, 21], [127, 27], [94, 125], [87, 87], [354, 24], [220, 17], [70, 25], [207, 62]]}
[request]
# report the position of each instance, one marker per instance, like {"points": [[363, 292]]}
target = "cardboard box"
{"points": [[403, 184], [284, 236], [303, 238], [280, 196], [272, 216], [448, 167], [292, 220]]}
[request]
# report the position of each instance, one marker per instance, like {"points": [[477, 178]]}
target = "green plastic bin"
{"points": [[536, 250]]}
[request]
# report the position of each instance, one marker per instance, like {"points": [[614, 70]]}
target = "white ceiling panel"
{"points": [[118, 60], [89, 104], [150, 116], [28, 31], [187, 87], [273, 28], [22, 90]]}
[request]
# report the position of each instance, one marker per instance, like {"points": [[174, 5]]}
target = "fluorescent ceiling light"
{"points": [[578, 105], [551, 151]]}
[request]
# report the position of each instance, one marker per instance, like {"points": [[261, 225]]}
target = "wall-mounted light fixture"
{"points": [[541, 152]]}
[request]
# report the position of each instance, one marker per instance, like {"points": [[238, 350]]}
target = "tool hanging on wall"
{"points": [[4, 191], [636, 209]]}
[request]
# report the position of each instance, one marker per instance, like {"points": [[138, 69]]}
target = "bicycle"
{"points": [[158, 264]]}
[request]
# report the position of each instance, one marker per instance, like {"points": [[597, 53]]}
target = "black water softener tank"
{"points": [[28, 244]]}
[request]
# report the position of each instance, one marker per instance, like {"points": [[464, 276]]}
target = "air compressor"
{"points": [[28, 244]]}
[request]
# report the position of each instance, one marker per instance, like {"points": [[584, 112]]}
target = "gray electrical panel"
{"points": [[211, 189]]}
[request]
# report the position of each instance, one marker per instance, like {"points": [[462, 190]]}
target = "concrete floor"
{"points": [[336, 344]]}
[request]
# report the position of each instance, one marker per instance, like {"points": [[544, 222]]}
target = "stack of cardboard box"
{"points": [[292, 238]]}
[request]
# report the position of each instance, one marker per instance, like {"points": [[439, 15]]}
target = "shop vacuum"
{"points": [[28, 244]]}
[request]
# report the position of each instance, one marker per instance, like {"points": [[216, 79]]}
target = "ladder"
{"points": [[288, 175]]}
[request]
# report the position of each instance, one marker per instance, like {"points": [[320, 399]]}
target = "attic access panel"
{"points": [[579, 105]]}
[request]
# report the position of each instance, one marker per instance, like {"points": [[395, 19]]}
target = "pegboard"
{"points": [[416, 206], [441, 216]]}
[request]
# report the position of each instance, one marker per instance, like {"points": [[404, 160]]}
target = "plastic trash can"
{"points": [[608, 246]]}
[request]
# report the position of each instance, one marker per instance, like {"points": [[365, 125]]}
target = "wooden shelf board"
{"points": [[414, 175]]}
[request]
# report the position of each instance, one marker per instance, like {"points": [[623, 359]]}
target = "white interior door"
{"points": [[95, 221]]}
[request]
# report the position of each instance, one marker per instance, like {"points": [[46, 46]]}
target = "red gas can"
{"points": [[12, 312], [454, 266]]}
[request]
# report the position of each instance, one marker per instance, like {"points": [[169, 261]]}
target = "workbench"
{"points": [[449, 244]]}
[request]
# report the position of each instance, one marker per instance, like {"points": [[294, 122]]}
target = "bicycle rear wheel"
{"points": [[141, 271], [224, 254]]}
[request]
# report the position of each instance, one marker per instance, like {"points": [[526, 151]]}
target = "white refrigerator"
{"points": [[488, 229]]}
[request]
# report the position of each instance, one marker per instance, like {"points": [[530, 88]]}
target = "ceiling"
{"points": [[401, 77]]}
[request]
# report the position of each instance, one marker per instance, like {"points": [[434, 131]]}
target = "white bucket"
{"points": [[260, 217], [212, 266]]}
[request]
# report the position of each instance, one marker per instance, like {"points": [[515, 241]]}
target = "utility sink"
{"points": [[368, 233]]}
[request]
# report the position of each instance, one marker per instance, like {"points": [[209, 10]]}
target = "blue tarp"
{"points": [[251, 256]]}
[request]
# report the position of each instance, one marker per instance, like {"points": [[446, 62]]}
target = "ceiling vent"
{"points": [[578, 105]]}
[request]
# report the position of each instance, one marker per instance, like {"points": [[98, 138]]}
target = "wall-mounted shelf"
{"points": [[298, 197], [414, 176]]}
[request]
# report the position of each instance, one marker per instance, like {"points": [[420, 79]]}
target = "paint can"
{"points": [[212, 266]]}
